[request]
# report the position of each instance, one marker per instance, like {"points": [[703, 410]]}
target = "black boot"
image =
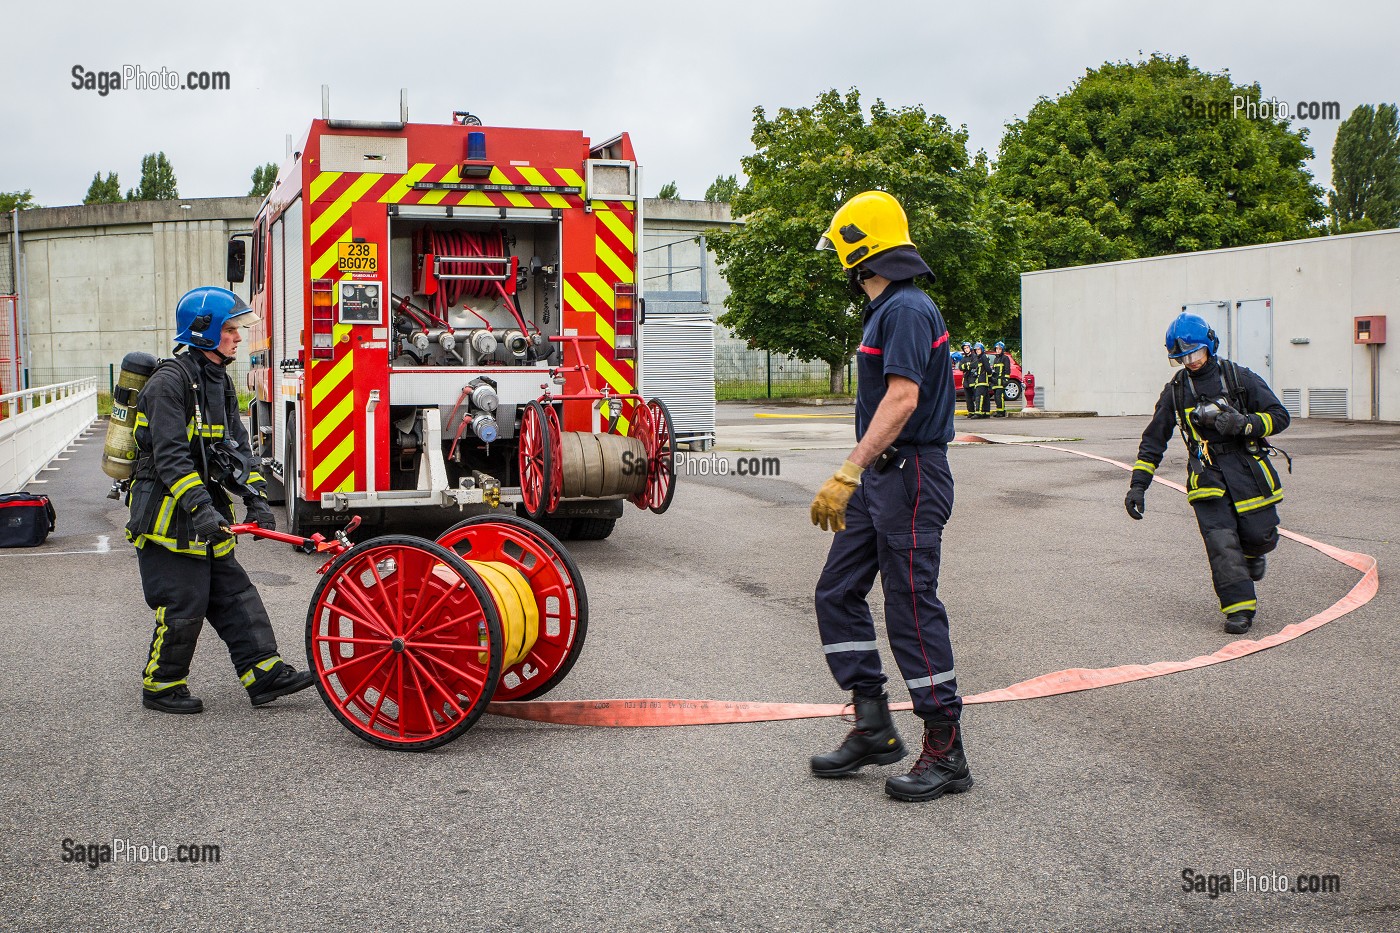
{"points": [[281, 680], [174, 700], [941, 768], [873, 741], [1237, 623], [1256, 567]]}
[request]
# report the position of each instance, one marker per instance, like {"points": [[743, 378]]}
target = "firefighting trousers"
{"points": [[984, 399], [1229, 539], [999, 396], [975, 396], [184, 591], [894, 526]]}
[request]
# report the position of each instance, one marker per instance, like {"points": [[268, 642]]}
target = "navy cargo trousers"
{"points": [[894, 526]]}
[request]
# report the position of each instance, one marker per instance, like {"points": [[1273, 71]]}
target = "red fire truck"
{"points": [[450, 316]]}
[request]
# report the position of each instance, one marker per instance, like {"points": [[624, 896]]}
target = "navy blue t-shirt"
{"points": [[905, 335]]}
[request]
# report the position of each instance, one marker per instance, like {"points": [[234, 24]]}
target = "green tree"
{"points": [[9, 200], [264, 177], [669, 192], [103, 190], [1148, 158], [723, 188], [787, 297], [157, 180], [1366, 170]]}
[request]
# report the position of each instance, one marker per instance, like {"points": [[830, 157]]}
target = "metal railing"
{"points": [[37, 424]]}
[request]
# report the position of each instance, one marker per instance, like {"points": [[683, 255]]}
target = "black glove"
{"points": [[260, 513], [1231, 422], [208, 523], [1135, 502]]}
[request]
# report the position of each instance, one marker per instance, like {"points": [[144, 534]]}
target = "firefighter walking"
{"points": [[192, 449], [999, 362], [1224, 412], [888, 504]]}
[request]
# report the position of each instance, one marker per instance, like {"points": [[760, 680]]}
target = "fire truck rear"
{"points": [[449, 316]]}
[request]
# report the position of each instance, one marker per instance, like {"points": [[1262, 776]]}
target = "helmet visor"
{"points": [[824, 242]]}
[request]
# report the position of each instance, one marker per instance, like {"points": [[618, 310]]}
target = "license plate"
{"points": [[357, 257]]}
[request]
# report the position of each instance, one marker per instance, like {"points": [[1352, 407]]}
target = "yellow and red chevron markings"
{"points": [[588, 294]]}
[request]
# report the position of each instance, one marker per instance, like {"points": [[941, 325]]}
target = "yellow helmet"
{"points": [[866, 225]]}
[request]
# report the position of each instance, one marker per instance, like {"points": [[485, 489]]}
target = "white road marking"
{"points": [[103, 547]]}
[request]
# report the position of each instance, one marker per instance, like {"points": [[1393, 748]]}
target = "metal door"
{"points": [[1217, 315], [1253, 343]]}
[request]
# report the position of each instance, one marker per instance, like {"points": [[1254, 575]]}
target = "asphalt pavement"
{"points": [[1088, 808]]}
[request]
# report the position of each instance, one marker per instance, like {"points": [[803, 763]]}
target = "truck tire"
{"points": [[593, 529]]}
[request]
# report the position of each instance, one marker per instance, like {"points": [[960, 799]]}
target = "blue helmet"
{"points": [[1001, 345], [957, 356], [202, 313], [978, 346], [1189, 333]]}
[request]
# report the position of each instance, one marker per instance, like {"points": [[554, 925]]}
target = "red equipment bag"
{"points": [[25, 519]]}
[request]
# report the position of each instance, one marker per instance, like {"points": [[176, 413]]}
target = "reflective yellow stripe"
{"points": [[141, 421], [572, 178], [337, 209], [401, 187], [329, 465], [321, 182], [1205, 492], [433, 197], [167, 509], [611, 260], [535, 177], [498, 177], [1145, 466], [264, 665], [184, 484], [618, 228], [327, 382], [1268, 422], [1258, 502], [1250, 604], [256, 477], [332, 420]]}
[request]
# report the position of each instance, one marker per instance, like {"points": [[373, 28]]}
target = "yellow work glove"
{"points": [[829, 507]]}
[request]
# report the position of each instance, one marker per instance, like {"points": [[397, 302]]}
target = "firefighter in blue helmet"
{"points": [[1000, 364], [963, 360], [887, 505], [980, 370], [192, 451], [1225, 414]]}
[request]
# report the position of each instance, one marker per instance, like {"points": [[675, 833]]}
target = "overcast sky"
{"points": [[682, 78]]}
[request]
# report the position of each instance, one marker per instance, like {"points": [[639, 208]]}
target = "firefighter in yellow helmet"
{"points": [[887, 505]]}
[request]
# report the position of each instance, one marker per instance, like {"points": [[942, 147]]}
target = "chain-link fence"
{"points": [[745, 373]]}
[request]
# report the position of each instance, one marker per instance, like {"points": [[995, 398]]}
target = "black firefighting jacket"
{"points": [[185, 414], [978, 371], [1001, 368], [1236, 466]]}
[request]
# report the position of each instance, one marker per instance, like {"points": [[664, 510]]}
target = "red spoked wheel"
{"points": [[643, 428], [536, 461], [559, 593], [556, 454], [405, 640], [661, 461]]}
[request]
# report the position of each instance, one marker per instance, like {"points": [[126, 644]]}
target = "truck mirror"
{"points": [[237, 260]]}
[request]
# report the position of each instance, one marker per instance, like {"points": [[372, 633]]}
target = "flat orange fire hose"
{"points": [[677, 712]]}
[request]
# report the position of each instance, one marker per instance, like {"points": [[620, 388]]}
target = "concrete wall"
{"points": [[1093, 335], [102, 280], [671, 257]]}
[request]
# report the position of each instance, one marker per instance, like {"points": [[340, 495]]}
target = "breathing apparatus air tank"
{"points": [[119, 450]]}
